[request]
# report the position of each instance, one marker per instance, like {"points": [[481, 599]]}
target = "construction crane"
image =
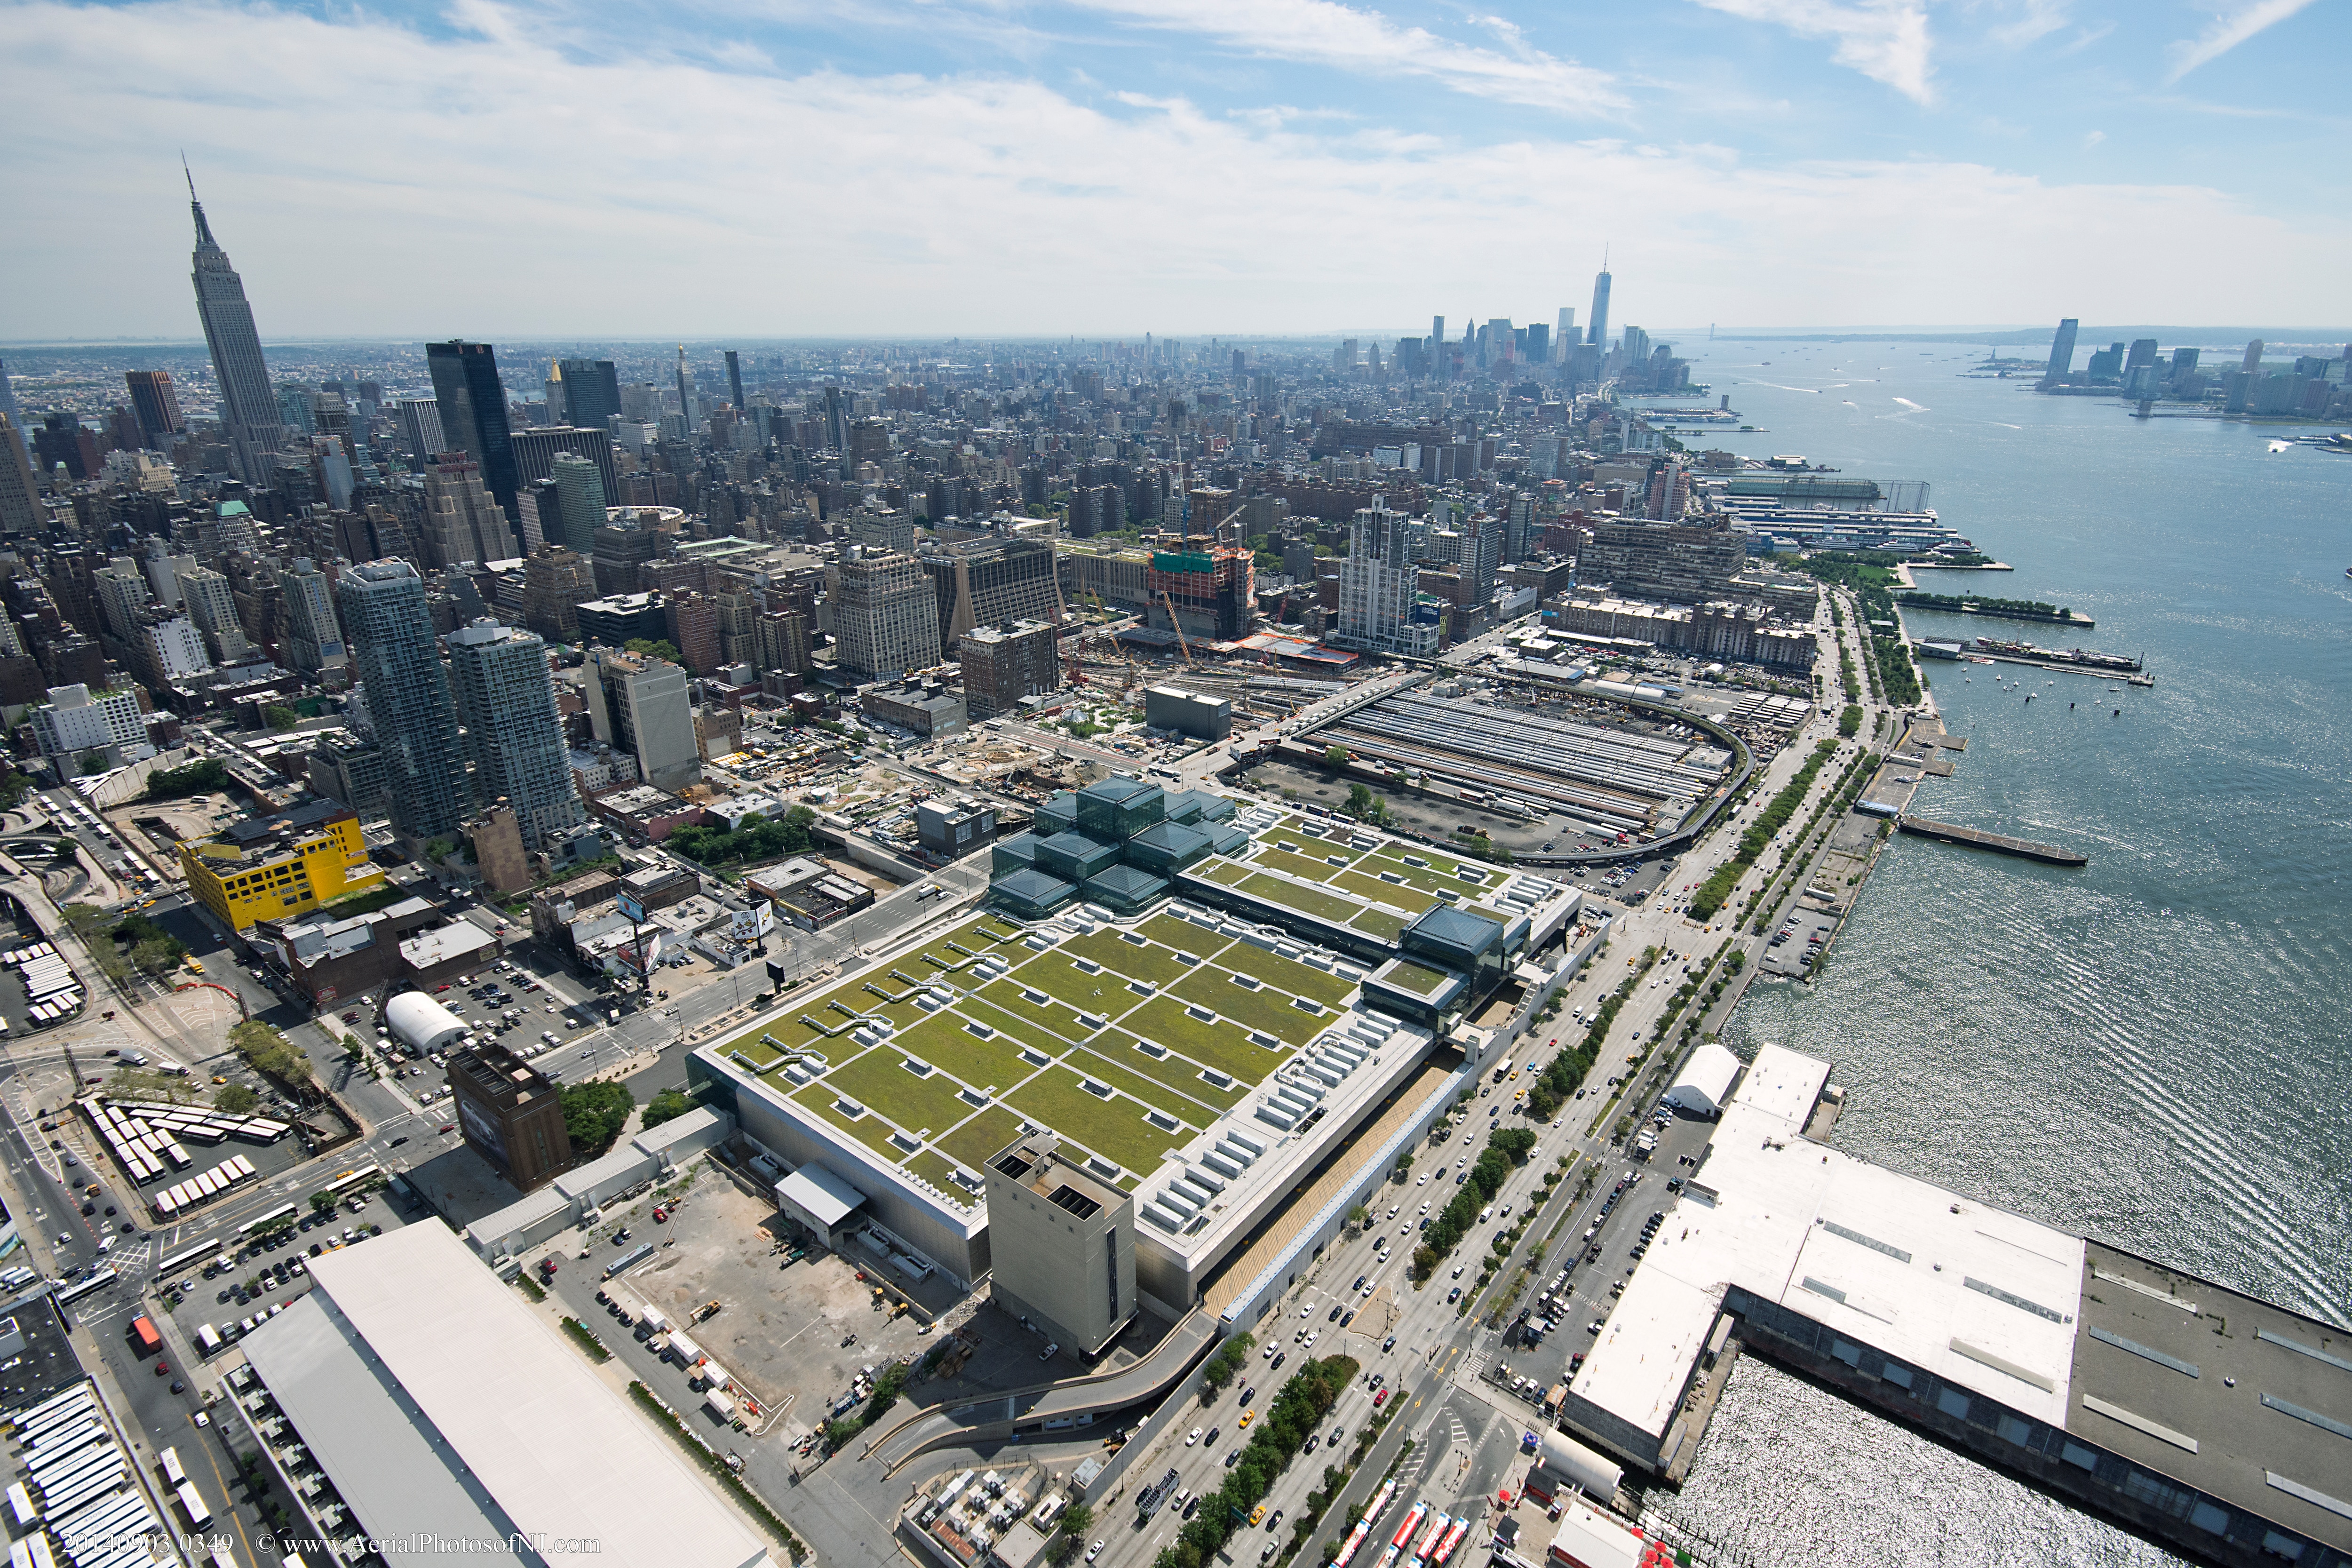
{"points": [[1166, 599]]}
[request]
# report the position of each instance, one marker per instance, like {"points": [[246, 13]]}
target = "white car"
{"points": [[1094, 1551], [1192, 1437]]}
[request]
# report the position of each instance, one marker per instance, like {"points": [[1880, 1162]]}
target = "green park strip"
{"points": [[1157, 965], [980, 1135], [1113, 1128], [1289, 975], [1305, 900], [1440, 871], [1229, 872], [1263, 1009], [1384, 924], [1221, 1045]]}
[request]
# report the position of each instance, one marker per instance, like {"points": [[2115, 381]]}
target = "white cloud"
{"points": [[1886, 40], [1350, 38], [370, 180], [2092, 138], [2227, 31]]}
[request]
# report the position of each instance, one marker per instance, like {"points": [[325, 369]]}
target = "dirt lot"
{"points": [[780, 1330]]}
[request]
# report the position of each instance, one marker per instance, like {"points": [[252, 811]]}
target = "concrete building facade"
{"points": [[1063, 1242]]}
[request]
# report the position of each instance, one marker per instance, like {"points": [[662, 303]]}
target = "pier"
{"points": [[2060, 667], [2215, 1422], [1977, 839]]}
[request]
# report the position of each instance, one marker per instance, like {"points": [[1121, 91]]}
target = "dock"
{"points": [[1977, 839], [2060, 666]]}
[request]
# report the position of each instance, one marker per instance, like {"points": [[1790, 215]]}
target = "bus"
{"points": [[168, 1461], [74, 1292], [187, 1256], [350, 1179], [276, 1219], [192, 1504], [194, 967]]}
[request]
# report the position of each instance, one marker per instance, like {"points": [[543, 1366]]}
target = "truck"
{"points": [[143, 1335], [629, 1259]]}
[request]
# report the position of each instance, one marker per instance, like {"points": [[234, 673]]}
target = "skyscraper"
{"points": [[735, 380], [1599, 332], [21, 510], [9, 411], [507, 703], [1378, 585], [248, 408], [462, 521], [1565, 337], [580, 504], [640, 706], [2062, 350], [591, 391], [684, 391], [158, 409], [473, 406], [313, 642], [407, 689], [420, 426], [886, 616]]}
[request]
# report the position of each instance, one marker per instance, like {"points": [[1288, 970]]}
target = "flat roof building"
{"points": [[510, 1114], [441, 1409], [1062, 1241]]}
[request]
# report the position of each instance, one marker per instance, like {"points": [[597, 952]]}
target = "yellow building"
{"points": [[265, 867]]}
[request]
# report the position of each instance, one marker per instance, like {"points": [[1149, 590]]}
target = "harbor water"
{"points": [[2154, 1049]]}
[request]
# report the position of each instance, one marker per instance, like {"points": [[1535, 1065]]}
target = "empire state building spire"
{"points": [[249, 409]]}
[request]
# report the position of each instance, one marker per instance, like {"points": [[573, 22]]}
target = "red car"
{"points": [[451, 1128], [163, 1368], [661, 1215], [1380, 1398], [350, 1017]]}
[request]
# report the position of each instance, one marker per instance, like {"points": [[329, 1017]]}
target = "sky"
{"points": [[1104, 168]]}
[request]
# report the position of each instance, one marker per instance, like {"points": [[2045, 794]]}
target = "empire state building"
{"points": [[248, 408]]}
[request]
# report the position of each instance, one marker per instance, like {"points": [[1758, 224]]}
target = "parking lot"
{"points": [[267, 1278], [1791, 949]]}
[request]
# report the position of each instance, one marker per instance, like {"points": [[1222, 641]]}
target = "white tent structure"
{"points": [[1705, 1082]]}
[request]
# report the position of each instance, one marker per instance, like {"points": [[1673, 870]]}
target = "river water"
{"points": [[2154, 1050]]}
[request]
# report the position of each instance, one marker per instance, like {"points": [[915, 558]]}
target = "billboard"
{"points": [[632, 907]]}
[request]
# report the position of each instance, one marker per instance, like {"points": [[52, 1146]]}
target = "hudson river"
{"points": [[2155, 1049]]}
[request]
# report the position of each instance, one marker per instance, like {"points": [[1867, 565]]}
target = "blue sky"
{"points": [[791, 167]]}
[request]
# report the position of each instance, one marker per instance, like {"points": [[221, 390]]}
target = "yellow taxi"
{"points": [[1257, 1513], [1248, 1417]]}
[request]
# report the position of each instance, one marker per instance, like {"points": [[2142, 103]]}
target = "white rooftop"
{"points": [[445, 1408], [1882, 1258], [817, 1191]]}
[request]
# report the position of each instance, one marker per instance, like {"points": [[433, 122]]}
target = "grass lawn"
{"points": [[1416, 979], [1156, 965], [1057, 977], [1267, 1009], [1177, 1073], [1220, 870], [870, 1130], [1120, 1076], [1113, 1128], [944, 1042], [1221, 1045], [1403, 898], [1298, 978], [1379, 923], [1169, 931], [1328, 906], [1314, 868], [980, 1135], [1006, 1010], [939, 1171], [876, 1081], [1438, 873]]}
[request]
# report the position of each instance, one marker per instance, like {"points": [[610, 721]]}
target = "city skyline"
{"points": [[1332, 163]]}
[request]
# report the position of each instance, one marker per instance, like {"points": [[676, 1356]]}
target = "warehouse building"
{"points": [[414, 1402]]}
